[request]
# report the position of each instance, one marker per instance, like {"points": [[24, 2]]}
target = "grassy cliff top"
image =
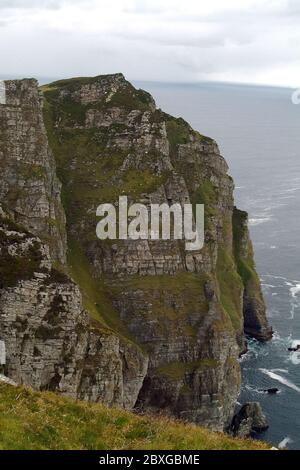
{"points": [[42, 420]]}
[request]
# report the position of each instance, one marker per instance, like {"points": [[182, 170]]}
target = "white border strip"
{"points": [[2, 92]]}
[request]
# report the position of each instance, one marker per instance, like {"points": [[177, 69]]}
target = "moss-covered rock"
{"points": [[114, 142], [255, 322]]}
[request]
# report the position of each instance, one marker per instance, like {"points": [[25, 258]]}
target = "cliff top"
{"points": [[112, 89]]}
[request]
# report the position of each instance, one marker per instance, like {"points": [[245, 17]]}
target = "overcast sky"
{"points": [[252, 41]]}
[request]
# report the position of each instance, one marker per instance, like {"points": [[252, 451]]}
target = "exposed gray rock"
{"points": [[29, 187], [254, 310], [50, 344], [250, 419], [49, 339]]}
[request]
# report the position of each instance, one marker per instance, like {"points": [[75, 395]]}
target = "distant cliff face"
{"points": [[168, 324], [29, 185], [50, 341]]}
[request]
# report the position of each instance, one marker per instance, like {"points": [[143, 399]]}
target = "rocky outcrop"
{"points": [[50, 341], [249, 420], [29, 186], [254, 310], [168, 324]]}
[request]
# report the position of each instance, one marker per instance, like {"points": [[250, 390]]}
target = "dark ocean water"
{"points": [[258, 131]]}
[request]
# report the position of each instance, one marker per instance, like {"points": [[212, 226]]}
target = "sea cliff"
{"points": [[139, 324]]}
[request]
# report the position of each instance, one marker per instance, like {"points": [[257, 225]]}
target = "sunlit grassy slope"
{"points": [[33, 420]]}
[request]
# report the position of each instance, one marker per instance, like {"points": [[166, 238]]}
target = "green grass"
{"points": [[126, 96], [95, 297], [244, 261], [90, 172], [206, 194], [230, 286], [244, 257], [32, 420], [173, 299], [180, 132], [177, 370]]}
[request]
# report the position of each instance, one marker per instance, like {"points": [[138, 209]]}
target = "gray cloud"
{"points": [[153, 40]]}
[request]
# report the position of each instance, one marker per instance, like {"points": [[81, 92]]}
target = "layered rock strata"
{"points": [[167, 324]]}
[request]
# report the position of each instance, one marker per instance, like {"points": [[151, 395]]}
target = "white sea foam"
{"points": [[253, 389], [287, 197], [295, 358], [276, 277], [283, 444], [282, 342], [259, 220], [248, 355], [280, 379], [295, 294], [295, 290], [295, 343], [276, 336], [291, 190]]}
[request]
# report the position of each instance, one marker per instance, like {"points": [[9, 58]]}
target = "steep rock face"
{"points": [[255, 321], [167, 324], [50, 340], [29, 186], [184, 308]]}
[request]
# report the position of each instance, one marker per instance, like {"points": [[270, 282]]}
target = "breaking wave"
{"points": [[295, 290], [283, 444], [280, 379], [259, 220]]}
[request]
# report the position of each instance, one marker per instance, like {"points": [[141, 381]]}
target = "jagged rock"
{"points": [[29, 188], [294, 349], [168, 324], [50, 344], [271, 391], [7, 381], [255, 320], [250, 419], [49, 341]]}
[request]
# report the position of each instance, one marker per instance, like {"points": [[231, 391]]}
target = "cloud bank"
{"points": [[254, 41]]}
